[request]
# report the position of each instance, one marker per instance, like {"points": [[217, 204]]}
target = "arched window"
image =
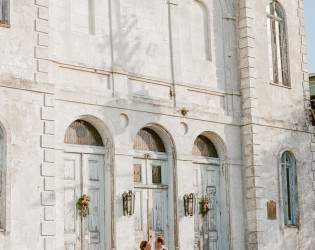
{"points": [[2, 181], [277, 43], [288, 188], [4, 11], [82, 132], [204, 147], [149, 140]]}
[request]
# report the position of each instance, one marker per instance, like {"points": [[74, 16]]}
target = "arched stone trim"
{"points": [[287, 149], [6, 198], [108, 142], [224, 181], [82, 133], [170, 149], [297, 163], [204, 147], [148, 139], [219, 145]]}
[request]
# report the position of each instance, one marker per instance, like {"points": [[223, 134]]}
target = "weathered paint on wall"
{"points": [[124, 65]]}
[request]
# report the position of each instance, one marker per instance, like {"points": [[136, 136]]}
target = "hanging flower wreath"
{"points": [[204, 206], [83, 205]]}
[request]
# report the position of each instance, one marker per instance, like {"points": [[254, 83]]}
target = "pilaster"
{"points": [[47, 137], [251, 146], [304, 70]]}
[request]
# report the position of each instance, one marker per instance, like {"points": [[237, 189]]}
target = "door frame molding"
{"points": [[171, 158]]}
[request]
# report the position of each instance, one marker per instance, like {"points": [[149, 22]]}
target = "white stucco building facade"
{"points": [[164, 98]]}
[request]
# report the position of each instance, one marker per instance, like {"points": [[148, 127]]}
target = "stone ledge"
{"points": [[50, 243], [43, 13], [49, 155], [48, 228], [48, 113], [48, 198], [44, 3], [48, 169], [49, 127], [48, 141], [49, 184]]}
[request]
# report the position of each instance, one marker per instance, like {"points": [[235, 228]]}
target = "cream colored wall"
{"points": [[117, 69]]}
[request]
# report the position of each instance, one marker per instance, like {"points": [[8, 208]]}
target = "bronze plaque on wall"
{"points": [[272, 210], [137, 172], [156, 174]]}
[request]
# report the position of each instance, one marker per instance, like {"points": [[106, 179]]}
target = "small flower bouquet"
{"points": [[204, 206], [83, 205]]}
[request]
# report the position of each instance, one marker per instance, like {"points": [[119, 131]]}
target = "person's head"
{"points": [[145, 245], [159, 242]]}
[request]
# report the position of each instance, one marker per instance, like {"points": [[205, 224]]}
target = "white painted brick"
{"points": [[304, 67], [48, 198], [49, 127], [50, 243], [43, 66], [42, 52], [300, 13], [303, 49], [48, 141], [49, 184], [49, 155], [48, 169], [41, 26], [44, 3], [305, 77], [43, 13], [50, 214], [48, 113], [49, 100], [43, 39], [48, 228], [173, 2], [41, 77]]}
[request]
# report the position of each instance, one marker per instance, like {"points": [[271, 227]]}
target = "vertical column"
{"points": [[306, 89], [48, 225], [177, 91], [251, 146]]}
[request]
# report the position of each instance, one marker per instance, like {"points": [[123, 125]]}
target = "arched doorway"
{"points": [[84, 174], [206, 166], [151, 184]]}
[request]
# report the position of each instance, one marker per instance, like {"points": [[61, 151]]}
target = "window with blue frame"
{"points": [[289, 189]]}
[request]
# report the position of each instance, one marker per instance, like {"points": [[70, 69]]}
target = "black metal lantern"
{"points": [[128, 203], [189, 204]]}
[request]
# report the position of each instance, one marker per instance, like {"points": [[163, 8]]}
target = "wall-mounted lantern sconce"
{"points": [[128, 203], [189, 204]]}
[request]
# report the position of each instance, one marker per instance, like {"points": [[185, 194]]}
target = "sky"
{"points": [[309, 13]]}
